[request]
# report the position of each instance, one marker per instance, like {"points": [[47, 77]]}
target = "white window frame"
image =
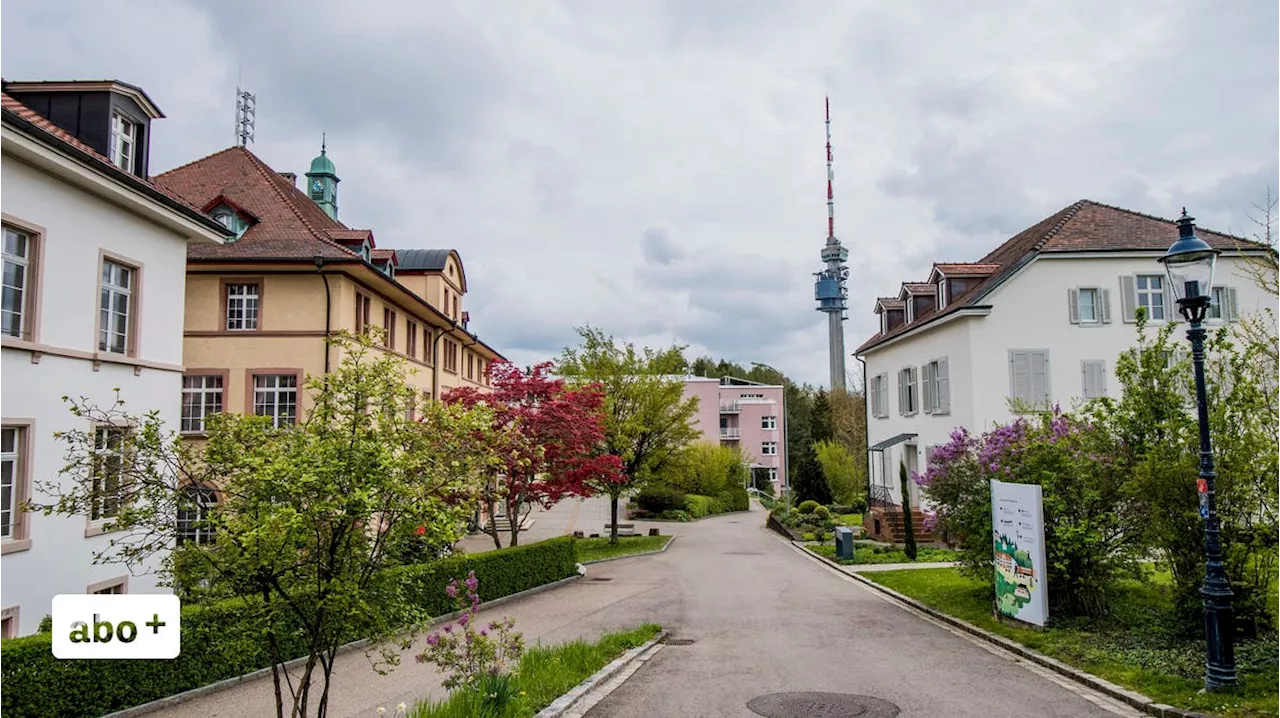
{"points": [[1150, 294], [769, 423], [23, 288], [908, 391], [245, 298], [207, 399], [880, 395], [99, 511], [202, 499], [274, 393], [935, 387], [768, 448], [124, 141], [940, 295], [11, 458], [110, 290], [1222, 305], [1101, 306]]}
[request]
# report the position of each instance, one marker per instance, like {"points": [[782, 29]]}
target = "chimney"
{"points": [[293, 178]]}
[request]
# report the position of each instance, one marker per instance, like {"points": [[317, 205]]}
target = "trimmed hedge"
{"points": [[657, 499], [220, 641]]}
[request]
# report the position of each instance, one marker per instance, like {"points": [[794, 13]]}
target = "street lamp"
{"points": [[1189, 263]]}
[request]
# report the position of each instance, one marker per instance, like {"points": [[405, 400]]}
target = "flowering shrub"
{"points": [[1090, 522], [469, 655]]}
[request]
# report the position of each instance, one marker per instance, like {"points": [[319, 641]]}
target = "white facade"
{"points": [[75, 218], [996, 349]]}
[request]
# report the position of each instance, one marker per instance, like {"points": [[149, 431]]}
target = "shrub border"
{"points": [[665, 546], [692, 521], [185, 696], [1131, 698]]}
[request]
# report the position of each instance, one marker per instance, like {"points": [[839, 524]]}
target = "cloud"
{"points": [[657, 169]]}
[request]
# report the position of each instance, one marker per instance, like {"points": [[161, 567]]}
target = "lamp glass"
{"points": [[1187, 267]]}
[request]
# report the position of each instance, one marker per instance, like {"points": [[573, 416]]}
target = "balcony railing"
{"points": [[730, 408], [731, 433], [880, 496]]}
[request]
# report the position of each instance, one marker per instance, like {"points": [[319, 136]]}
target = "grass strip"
{"points": [[882, 554], [594, 549]]}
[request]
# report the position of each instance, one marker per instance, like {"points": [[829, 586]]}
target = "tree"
{"points": [[553, 433], [1259, 329], [849, 425], [840, 469], [908, 527], [810, 484], [301, 529], [820, 418], [799, 400], [647, 418]]}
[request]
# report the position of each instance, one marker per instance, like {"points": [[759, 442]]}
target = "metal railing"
{"points": [[730, 408], [880, 496], [730, 433]]}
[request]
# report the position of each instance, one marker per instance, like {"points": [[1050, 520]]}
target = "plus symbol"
{"points": [[155, 623]]}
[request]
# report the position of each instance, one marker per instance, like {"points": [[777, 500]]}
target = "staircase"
{"points": [[891, 526]]}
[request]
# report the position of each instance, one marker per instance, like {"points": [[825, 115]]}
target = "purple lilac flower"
{"points": [[452, 590], [462, 620], [472, 582], [433, 639], [448, 629]]}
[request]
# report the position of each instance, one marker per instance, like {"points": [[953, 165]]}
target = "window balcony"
{"points": [[732, 433], [731, 408]]}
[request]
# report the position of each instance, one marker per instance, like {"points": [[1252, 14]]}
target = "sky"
{"points": [[655, 168]]}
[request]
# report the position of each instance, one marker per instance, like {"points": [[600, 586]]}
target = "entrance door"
{"points": [[913, 465]]}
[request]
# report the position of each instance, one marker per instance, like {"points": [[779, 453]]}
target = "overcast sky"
{"points": [[656, 167]]}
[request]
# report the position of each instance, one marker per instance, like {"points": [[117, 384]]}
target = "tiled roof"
{"points": [[918, 287], [1085, 226], [351, 236], [891, 302], [381, 256], [49, 128], [291, 226], [966, 269]]}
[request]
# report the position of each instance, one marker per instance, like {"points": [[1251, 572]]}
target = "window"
{"points": [[201, 397], [1150, 295], [773, 474], [111, 586], [116, 309], [108, 472], [193, 514], [242, 307], [751, 396], [1222, 304], [1088, 306], [471, 366], [908, 399], [450, 356], [936, 387], [410, 407], [17, 283], [9, 622], [411, 339], [1093, 378], [769, 423], [389, 328], [124, 142], [769, 448], [428, 346], [884, 322], [941, 293], [276, 396], [362, 313], [11, 481], [455, 306], [1029, 377], [880, 395]]}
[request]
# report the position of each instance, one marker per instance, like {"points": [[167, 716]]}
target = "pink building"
{"points": [[746, 415]]}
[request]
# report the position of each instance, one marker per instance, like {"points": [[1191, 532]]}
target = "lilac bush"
{"points": [[469, 655], [1090, 522]]}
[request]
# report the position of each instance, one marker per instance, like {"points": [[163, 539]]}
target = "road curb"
{"points": [[222, 685], [560, 706], [1131, 698], [665, 546]]}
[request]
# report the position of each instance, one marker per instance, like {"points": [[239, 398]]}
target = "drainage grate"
{"points": [[678, 641], [810, 704]]}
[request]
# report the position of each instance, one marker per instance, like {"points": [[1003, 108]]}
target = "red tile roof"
{"points": [[291, 226], [966, 269], [919, 287], [1085, 226], [891, 302], [45, 125]]}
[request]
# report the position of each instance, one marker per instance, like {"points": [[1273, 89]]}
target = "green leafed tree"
{"points": [[648, 420], [908, 526], [846, 483], [301, 529], [810, 484]]}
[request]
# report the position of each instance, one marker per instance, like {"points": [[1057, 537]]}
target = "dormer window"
{"points": [[911, 315], [230, 219], [365, 251], [124, 141], [884, 322], [942, 293]]}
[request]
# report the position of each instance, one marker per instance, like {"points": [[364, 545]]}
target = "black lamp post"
{"points": [[1189, 263]]}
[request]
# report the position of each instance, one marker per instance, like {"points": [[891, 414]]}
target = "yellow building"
{"points": [[258, 308]]}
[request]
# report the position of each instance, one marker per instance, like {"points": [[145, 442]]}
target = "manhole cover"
{"points": [[809, 704], [678, 641]]}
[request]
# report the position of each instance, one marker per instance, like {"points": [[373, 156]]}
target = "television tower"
{"points": [[831, 289]]}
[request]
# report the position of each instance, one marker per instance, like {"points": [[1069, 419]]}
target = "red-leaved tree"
{"points": [[553, 445]]}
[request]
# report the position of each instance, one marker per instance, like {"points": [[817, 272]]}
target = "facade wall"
{"points": [[707, 420], [62, 358], [742, 429]]}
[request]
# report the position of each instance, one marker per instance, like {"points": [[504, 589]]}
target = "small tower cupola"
{"points": [[322, 183]]}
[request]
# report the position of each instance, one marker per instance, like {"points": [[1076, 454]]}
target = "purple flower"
{"points": [[462, 620], [472, 582], [452, 590], [433, 639], [448, 629]]}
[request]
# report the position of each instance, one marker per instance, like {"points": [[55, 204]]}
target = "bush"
{"points": [[822, 512], [660, 499], [675, 515], [698, 506], [735, 498], [225, 639], [808, 507]]}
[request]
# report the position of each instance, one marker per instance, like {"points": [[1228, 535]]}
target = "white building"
{"points": [[94, 268], [1041, 318]]}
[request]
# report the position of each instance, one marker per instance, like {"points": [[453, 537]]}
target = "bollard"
{"points": [[844, 543]]}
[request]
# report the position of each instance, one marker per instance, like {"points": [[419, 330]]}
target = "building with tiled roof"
{"points": [[259, 308], [94, 262], [1038, 320]]}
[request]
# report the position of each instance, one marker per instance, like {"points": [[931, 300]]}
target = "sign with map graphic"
{"points": [[1017, 535]]}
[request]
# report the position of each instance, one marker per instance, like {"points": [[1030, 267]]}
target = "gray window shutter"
{"points": [[944, 387], [1039, 370], [1019, 375], [875, 396], [1104, 305], [1101, 373], [1073, 306], [1128, 298], [926, 382], [1170, 307], [928, 458], [902, 393], [1086, 378], [1231, 312]]}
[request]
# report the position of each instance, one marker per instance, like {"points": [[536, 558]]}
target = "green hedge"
{"points": [[735, 499], [219, 641]]}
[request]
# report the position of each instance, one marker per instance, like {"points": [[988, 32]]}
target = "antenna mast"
{"points": [[246, 113], [831, 289]]}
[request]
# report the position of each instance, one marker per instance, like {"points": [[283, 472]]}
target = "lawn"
{"points": [[848, 519], [1128, 649], [594, 549], [545, 673], [863, 554]]}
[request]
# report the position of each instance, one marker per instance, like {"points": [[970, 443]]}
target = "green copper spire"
{"points": [[322, 182]]}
